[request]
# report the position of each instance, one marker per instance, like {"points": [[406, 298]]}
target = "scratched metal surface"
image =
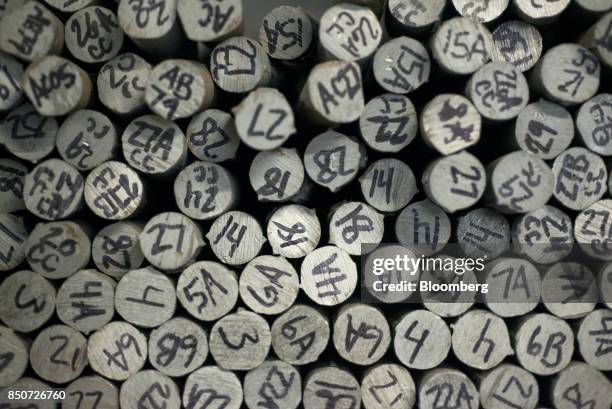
{"points": [[255, 10]]}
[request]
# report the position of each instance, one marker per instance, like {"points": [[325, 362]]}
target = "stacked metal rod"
{"points": [[186, 207]]}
